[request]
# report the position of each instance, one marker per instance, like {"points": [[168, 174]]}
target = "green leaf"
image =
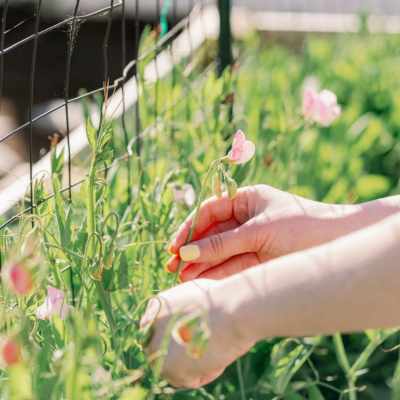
{"points": [[286, 360], [370, 187], [293, 396], [123, 279], [136, 393], [20, 383], [91, 133], [57, 161], [396, 381], [314, 393]]}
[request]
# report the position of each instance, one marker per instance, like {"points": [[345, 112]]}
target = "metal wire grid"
{"points": [[72, 23]]}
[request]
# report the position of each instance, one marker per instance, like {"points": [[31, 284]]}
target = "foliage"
{"points": [[106, 248]]}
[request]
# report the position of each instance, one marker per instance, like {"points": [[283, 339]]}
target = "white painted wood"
{"points": [[148, 8], [320, 22]]}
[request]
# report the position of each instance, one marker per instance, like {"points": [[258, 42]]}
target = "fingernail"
{"points": [[190, 252]]}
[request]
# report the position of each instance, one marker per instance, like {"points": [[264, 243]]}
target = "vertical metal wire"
{"points": [[225, 57], [70, 49], [174, 77], [106, 43], [124, 127], [189, 12], [156, 86], [2, 43], [106, 65], [225, 36], [31, 99], [137, 104], [203, 87], [175, 11], [123, 44]]}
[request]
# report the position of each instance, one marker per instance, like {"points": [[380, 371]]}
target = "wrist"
{"points": [[351, 218]]}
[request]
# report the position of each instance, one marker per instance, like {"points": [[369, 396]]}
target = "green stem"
{"points": [[71, 284], [91, 203], [367, 352], [344, 363], [200, 199], [91, 231], [106, 304], [241, 380]]}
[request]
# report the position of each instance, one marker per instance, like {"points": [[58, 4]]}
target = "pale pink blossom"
{"points": [[320, 107], [242, 150], [54, 304], [10, 352], [184, 195], [19, 279]]}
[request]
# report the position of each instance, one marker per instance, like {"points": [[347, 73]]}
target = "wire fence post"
{"points": [[225, 36]]}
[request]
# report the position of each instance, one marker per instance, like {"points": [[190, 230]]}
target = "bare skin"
{"points": [[322, 290], [263, 223]]}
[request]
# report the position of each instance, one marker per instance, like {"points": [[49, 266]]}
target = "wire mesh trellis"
{"points": [[26, 32], [120, 76]]}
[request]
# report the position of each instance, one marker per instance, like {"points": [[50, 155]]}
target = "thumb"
{"points": [[219, 247]]}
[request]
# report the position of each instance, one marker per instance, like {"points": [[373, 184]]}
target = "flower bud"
{"points": [[19, 279], [231, 186], [97, 275], [217, 185], [10, 352]]}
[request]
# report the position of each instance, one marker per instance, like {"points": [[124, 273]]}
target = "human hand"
{"points": [[201, 297], [278, 299], [259, 224]]}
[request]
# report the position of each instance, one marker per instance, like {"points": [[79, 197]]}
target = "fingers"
{"points": [[173, 263], [211, 211], [232, 266], [215, 249]]}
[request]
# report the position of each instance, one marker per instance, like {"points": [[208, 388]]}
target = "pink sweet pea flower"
{"points": [[10, 352], [185, 195], [54, 304], [242, 150], [321, 107], [193, 333], [19, 279]]}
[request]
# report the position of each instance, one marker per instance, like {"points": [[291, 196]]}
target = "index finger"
{"points": [[213, 210]]}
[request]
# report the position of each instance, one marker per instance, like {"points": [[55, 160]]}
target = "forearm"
{"points": [[346, 285]]}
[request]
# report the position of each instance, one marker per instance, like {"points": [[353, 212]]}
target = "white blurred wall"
{"points": [[148, 8]]}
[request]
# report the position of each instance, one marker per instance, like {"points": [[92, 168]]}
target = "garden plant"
{"points": [[76, 274]]}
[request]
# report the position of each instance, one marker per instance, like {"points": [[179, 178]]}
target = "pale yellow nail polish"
{"points": [[190, 252]]}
